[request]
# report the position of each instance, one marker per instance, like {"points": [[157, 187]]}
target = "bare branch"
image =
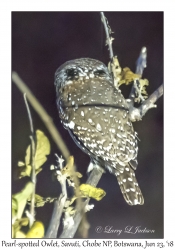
{"points": [[57, 212], [108, 38], [33, 178], [141, 61], [140, 65], [149, 103], [93, 180], [136, 114], [43, 114], [33, 174], [95, 176], [29, 114]]}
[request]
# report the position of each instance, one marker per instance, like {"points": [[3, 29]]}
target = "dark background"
{"points": [[41, 42]]}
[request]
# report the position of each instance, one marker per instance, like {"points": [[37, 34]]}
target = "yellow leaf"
{"points": [[127, 76], [69, 171], [92, 192], [19, 200], [70, 210], [141, 93], [36, 231], [42, 149], [18, 224], [20, 234], [41, 201], [79, 175], [24, 171], [115, 68], [14, 207]]}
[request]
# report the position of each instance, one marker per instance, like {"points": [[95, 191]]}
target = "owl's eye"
{"points": [[72, 72], [99, 72]]}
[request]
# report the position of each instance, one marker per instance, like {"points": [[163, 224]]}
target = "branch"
{"points": [[33, 174], [57, 212], [29, 114], [149, 103], [136, 114], [140, 65], [114, 68], [141, 61], [93, 180], [108, 38], [43, 115], [59, 205]]}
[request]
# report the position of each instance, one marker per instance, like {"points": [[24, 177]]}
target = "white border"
{"points": [[5, 94]]}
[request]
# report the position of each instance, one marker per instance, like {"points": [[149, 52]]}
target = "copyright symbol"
{"points": [[98, 229]]}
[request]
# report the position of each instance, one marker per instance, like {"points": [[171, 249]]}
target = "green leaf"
{"points": [[19, 200], [42, 149], [41, 201], [92, 192]]}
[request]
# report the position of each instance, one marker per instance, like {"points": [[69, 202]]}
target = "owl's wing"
{"points": [[104, 133], [94, 134]]}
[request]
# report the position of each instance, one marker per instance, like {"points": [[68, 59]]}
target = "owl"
{"points": [[97, 117]]}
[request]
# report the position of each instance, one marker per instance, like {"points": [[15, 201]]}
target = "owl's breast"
{"points": [[90, 92]]}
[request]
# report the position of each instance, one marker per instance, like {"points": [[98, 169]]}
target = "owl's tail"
{"points": [[129, 187]]}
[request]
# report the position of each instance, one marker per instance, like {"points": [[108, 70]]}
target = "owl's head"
{"points": [[80, 69]]}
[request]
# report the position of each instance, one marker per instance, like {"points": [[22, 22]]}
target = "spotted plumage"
{"points": [[97, 117]]}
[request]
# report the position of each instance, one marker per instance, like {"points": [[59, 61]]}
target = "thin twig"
{"points": [[136, 114], [108, 38], [140, 65], [93, 180], [33, 174], [43, 114], [29, 114], [149, 103], [33, 178], [141, 61]]}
